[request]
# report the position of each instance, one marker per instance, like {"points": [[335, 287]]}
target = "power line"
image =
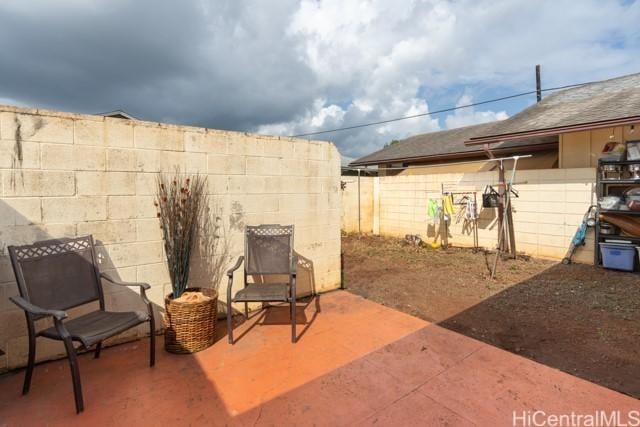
{"points": [[445, 110]]}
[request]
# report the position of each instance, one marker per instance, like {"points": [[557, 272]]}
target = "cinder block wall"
{"points": [[352, 222], [550, 207], [68, 174]]}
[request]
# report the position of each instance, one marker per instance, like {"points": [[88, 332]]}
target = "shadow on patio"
{"points": [[579, 319]]}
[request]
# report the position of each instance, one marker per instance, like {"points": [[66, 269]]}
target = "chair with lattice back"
{"points": [[268, 253], [56, 275]]}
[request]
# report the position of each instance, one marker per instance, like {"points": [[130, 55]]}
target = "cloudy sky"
{"points": [[289, 67]]}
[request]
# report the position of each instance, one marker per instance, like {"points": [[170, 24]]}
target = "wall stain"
{"points": [[236, 219], [18, 150], [18, 156]]}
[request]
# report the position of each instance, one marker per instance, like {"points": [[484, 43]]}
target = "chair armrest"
{"points": [[113, 281], [143, 288], [230, 276], [294, 265], [235, 267], [35, 310]]}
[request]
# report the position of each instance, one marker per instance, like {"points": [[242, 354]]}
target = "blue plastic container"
{"points": [[617, 256]]}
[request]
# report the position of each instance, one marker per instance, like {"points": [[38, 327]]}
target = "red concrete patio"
{"points": [[356, 362]]}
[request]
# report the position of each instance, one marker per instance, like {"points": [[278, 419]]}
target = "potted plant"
{"points": [[190, 312]]}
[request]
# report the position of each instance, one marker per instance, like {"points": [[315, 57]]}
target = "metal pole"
{"points": [[538, 84], [501, 206], [359, 226], [510, 227], [476, 243], [502, 233], [444, 230]]}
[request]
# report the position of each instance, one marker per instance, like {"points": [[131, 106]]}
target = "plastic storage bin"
{"points": [[617, 256]]}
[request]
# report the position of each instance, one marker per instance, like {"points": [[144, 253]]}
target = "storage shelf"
{"points": [[619, 181], [618, 237], [604, 188], [623, 162], [618, 212]]}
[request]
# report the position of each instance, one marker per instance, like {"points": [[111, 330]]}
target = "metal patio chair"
{"points": [[56, 275], [268, 251]]}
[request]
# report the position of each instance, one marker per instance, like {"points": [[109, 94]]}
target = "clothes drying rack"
{"points": [[463, 196]]}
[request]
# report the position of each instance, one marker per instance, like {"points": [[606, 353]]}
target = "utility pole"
{"points": [[538, 85], [359, 208]]}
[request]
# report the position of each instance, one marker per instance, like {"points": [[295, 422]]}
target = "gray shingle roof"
{"points": [[601, 101], [118, 114], [437, 144]]}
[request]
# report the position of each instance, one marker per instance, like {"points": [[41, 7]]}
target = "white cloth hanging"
{"points": [[471, 212]]}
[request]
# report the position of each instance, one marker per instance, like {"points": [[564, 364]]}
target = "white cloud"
{"points": [[295, 66], [379, 56], [469, 116]]}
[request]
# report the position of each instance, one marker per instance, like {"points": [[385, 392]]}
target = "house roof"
{"points": [[444, 144], [118, 114], [600, 104]]}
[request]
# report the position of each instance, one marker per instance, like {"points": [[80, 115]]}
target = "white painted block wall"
{"points": [[84, 174]]}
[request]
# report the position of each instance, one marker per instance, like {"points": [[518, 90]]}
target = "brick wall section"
{"points": [[85, 174], [550, 207], [350, 204]]}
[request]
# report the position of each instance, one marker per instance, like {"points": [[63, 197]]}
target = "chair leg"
{"points": [[152, 342], [96, 354], [30, 364], [292, 313], [75, 374], [246, 310], [229, 321]]}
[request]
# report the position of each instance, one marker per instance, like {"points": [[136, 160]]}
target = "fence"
{"points": [[551, 205]]}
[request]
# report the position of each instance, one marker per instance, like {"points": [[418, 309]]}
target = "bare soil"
{"points": [[581, 319]]}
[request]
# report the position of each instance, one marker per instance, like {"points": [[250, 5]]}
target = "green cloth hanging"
{"points": [[433, 209]]}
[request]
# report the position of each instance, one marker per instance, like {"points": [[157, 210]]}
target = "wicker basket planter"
{"points": [[190, 327]]}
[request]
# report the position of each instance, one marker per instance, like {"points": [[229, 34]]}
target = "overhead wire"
{"points": [[444, 110]]}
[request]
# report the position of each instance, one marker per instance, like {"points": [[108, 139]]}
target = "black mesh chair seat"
{"points": [[263, 292], [96, 326]]}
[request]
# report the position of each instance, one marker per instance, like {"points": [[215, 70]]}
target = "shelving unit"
{"points": [[604, 188]]}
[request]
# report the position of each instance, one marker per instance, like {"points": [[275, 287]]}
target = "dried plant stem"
{"points": [[181, 202]]}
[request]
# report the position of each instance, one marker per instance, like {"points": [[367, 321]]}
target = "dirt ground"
{"points": [[580, 319]]}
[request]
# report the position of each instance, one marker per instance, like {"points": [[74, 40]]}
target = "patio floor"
{"points": [[356, 362]]}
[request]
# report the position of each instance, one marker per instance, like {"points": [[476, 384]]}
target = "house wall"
{"points": [[582, 149], [83, 174], [550, 208], [539, 160]]}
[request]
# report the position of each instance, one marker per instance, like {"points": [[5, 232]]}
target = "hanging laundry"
{"points": [[447, 206], [433, 210], [472, 210]]}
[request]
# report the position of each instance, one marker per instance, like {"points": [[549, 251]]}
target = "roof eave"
{"points": [[459, 155], [552, 131], [418, 158]]}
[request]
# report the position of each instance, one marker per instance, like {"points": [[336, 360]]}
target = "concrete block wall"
{"points": [[68, 174], [351, 221], [551, 205]]}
